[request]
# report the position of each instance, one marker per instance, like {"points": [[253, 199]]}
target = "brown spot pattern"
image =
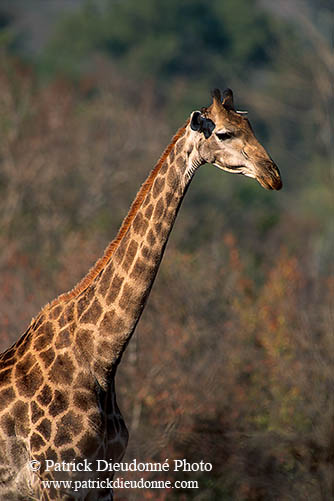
{"points": [[158, 186], [28, 384], [47, 357], [105, 279], [130, 255], [44, 428], [36, 412], [45, 396], [59, 404], [93, 313], [159, 209], [62, 370], [114, 289]]}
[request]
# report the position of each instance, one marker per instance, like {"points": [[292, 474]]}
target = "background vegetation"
{"points": [[232, 361]]}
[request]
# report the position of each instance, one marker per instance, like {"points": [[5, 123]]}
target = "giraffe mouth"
{"points": [[235, 169], [268, 178]]}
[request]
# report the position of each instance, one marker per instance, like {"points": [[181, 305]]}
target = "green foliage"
{"points": [[193, 39]]}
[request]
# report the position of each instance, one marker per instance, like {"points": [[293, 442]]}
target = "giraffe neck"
{"points": [[110, 307]]}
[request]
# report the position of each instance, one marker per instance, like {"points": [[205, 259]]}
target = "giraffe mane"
{"points": [[110, 249]]}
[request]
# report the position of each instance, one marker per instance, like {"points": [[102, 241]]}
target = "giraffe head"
{"points": [[226, 139]]}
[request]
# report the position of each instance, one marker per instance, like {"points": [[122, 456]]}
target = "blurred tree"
{"points": [[8, 38], [192, 39]]}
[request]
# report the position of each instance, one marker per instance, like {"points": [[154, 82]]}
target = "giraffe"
{"points": [[57, 382]]}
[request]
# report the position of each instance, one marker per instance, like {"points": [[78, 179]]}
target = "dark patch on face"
{"points": [[105, 279], [201, 123], [47, 357], [72, 422], [93, 313], [85, 300], [68, 455], [158, 186], [159, 209], [6, 396], [114, 289], [36, 442], [129, 255], [29, 383], [87, 445], [63, 436], [44, 429], [45, 396], [62, 370], [36, 412], [8, 425], [59, 404]]}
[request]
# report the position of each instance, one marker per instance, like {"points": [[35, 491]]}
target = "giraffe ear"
{"points": [[228, 99], [200, 123]]}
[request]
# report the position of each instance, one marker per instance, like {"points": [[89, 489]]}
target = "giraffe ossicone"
{"points": [[57, 388]]}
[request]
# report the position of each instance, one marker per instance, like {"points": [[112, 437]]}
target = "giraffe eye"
{"points": [[222, 136]]}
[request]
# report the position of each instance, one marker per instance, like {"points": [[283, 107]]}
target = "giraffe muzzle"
{"points": [[268, 175]]}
